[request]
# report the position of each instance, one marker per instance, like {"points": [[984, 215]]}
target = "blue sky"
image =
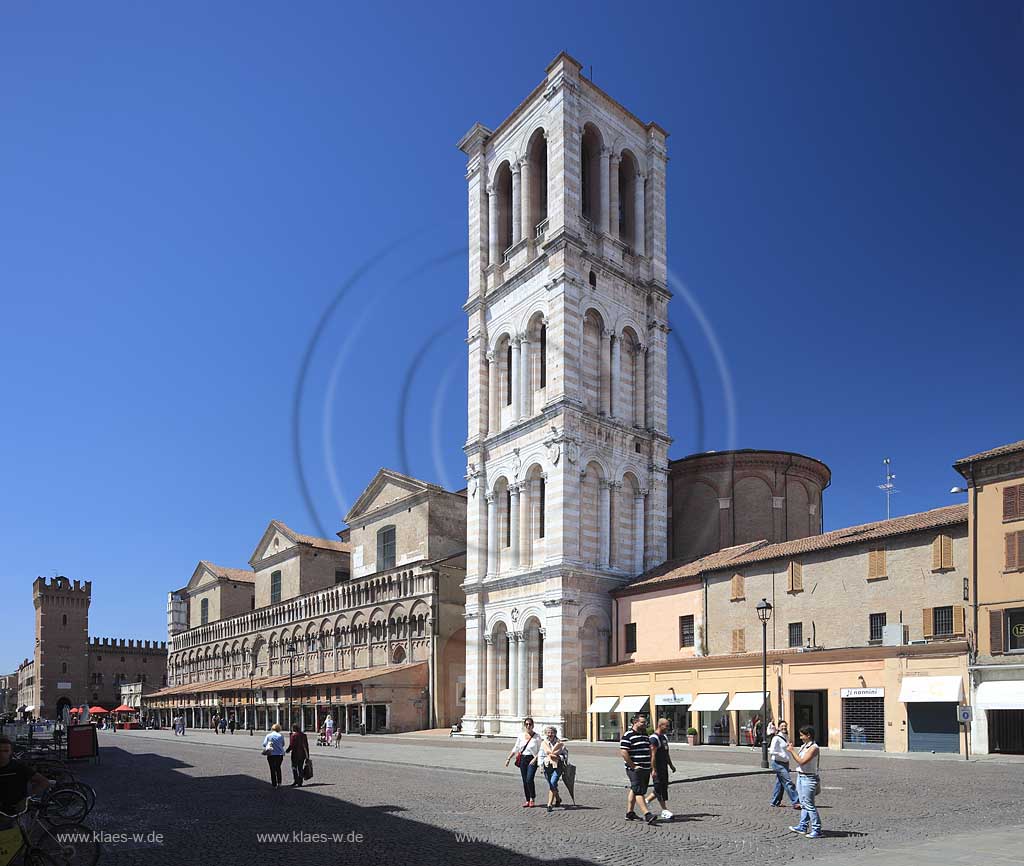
{"points": [[188, 188]]}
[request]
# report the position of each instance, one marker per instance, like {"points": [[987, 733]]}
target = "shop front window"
{"points": [[1015, 630], [608, 729]]}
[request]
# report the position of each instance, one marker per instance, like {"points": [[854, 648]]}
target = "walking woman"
{"points": [[525, 751], [778, 760], [298, 747], [807, 783], [273, 748], [553, 752]]}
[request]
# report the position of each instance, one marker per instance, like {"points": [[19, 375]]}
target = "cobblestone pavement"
{"points": [[411, 801]]}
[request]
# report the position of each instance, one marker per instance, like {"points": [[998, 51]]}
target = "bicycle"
{"points": [[39, 843]]}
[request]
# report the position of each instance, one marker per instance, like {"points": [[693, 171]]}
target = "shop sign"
{"points": [[673, 700], [862, 693], [64, 686]]}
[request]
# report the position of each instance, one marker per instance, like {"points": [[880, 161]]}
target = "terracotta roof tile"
{"points": [[314, 541], [761, 551], [1012, 448], [243, 575]]}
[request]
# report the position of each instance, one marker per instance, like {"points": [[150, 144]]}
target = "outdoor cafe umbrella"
{"points": [[124, 709], [96, 710]]}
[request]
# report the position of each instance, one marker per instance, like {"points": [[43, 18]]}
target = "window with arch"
{"points": [[204, 611], [64, 619], [508, 517], [385, 548], [541, 496], [590, 182], [508, 374], [275, 587], [63, 667], [543, 349]]}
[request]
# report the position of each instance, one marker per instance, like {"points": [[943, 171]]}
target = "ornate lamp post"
{"points": [[764, 613], [291, 677], [252, 702]]}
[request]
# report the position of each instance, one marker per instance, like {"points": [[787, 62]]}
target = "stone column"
{"points": [[491, 703], [638, 215], [613, 197], [527, 206], [641, 388], [526, 386], [601, 220], [493, 253], [639, 537], [493, 410], [527, 498], [517, 379], [513, 673], [517, 205], [615, 378], [605, 368], [491, 541], [523, 699], [604, 522], [513, 529]]}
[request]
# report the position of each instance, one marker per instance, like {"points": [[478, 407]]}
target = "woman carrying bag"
{"points": [[273, 748], [298, 747], [554, 755], [525, 751]]}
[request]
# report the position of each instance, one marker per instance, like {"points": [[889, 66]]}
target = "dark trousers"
{"points": [[297, 769], [528, 769], [275, 769]]}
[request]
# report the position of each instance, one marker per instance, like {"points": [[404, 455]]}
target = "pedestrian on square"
{"points": [[329, 730], [298, 747], [554, 754], [661, 762], [273, 748], [778, 760], [525, 751], [223, 725], [808, 783], [635, 749], [231, 725]]}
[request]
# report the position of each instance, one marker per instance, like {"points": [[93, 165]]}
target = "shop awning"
{"points": [[747, 701], [931, 690], [1001, 695], [710, 702], [631, 704], [673, 700], [602, 705]]}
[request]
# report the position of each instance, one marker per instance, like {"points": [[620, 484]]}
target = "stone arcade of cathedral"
{"points": [[567, 442]]}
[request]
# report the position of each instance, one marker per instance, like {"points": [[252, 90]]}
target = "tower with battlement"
{"points": [[62, 644]]}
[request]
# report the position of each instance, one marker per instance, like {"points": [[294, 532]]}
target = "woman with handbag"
{"points": [[554, 754], [525, 751], [273, 748], [298, 747]]}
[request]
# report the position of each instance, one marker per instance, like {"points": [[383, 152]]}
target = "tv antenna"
{"points": [[888, 487]]}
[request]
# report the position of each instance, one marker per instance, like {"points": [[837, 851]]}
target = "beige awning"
{"points": [[931, 690], [748, 701], [1001, 695], [602, 705], [710, 702], [631, 703]]}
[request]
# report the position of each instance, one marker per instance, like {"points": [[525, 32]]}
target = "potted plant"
{"points": [[691, 736]]}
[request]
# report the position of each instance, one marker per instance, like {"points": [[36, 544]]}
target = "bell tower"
{"points": [[62, 644], [567, 447]]}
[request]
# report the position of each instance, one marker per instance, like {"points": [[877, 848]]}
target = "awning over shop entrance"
{"points": [[1001, 695], [747, 701], [631, 704], [710, 702], [937, 690], [602, 705]]}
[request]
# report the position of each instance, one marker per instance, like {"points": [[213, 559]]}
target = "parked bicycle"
{"points": [[33, 834]]}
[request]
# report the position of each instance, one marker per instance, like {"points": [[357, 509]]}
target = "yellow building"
{"points": [[995, 482]]}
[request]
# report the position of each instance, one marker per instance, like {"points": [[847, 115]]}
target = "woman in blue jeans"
{"points": [[778, 758], [553, 750], [808, 783], [525, 751]]}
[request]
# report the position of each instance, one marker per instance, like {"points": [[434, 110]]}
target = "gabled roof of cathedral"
{"points": [[297, 538], [220, 572], [385, 476], [673, 572]]}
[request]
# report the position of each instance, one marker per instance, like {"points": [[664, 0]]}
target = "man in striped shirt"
{"points": [[635, 748]]}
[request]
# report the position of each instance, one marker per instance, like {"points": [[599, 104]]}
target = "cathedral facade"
{"points": [[568, 432]]}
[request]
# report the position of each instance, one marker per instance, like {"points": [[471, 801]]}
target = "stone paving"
{"points": [[430, 800]]}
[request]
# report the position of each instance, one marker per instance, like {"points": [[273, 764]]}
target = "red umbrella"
{"points": [[124, 709], [97, 710]]}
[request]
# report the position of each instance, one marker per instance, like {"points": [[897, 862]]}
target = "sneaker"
{"points": [[550, 809], [531, 804], [665, 815], [649, 818], [632, 816], [813, 836], [797, 830], [527, 804]]}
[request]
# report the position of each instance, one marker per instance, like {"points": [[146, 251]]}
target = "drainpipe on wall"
{"points": [[974, 563]]}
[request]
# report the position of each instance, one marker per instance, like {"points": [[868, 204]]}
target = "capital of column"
{"points": [[491, 356], [490, 497], [492, 189], [615, 158], [611, 485], [489, 639], [516, 166], [517, 340], [607, 332]]}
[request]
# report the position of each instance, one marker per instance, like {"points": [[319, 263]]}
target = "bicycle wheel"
{"points": [[69, 845], [64, 806], [83, 789], [57, 774]]}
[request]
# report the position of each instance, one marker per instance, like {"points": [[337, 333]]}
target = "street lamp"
{"points": [[291, 677], [252, 702], [764, 613]]}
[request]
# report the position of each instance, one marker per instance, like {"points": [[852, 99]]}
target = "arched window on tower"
{"points": [[590, 183], [508, 375], [543, 357], [541, 495], [64, 619]]}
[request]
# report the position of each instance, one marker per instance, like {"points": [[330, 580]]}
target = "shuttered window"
{"points": [[1013, 502], [928, 622], [796, 634], [686, 630], [739, 640], [942, 552], [958, 619], [631, 637], [795, 577], [737, 588], [995, 631], [1015, 550], [876, 563], [876, 623]]}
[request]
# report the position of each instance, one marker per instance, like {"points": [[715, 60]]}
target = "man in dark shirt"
{"points": [[636, 752], [16, 779], [662, 760]]}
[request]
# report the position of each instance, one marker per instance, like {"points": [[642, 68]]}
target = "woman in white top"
{"points": [[807, 783], [525, 751], [553, 751], [778, 760], [273, 748]]}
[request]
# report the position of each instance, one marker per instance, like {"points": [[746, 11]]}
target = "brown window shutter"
{"points": [[928, 622], [876, 563], [937, 553], [735, 639], [947, 550], [958, 619], [1020, 549], [995, 631], [1012, 502], [1011, 551], [798, 576], [737, 587], [741, 640]]}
